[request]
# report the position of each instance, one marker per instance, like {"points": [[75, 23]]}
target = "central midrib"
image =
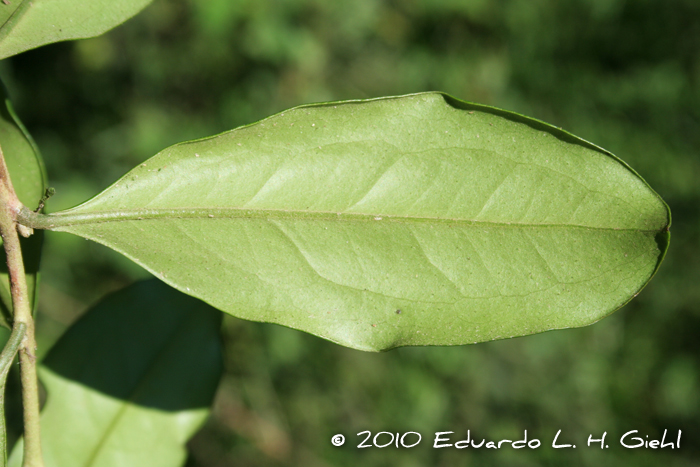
{"points": [[65, 219]]}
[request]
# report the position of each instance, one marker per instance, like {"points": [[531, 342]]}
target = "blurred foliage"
{"points": [[624, 74]]}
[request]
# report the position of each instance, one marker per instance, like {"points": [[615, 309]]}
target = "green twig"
{"points": [[10, 206]]}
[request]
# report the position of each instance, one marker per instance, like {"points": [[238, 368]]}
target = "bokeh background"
{"points": [[624, 74]]}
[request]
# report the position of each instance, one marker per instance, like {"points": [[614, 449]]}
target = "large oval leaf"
{"points": [[29, 180], [27, 24], [413, 220], [131, 381]]}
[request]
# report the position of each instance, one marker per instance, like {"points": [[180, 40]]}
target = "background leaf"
{"points": [[401, 221], [10, 344], [131, 381], [29, 180], [27, 24]]}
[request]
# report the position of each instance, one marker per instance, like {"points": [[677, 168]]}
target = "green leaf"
{"points": [[415, 220], [29, 180], [10, 344], [131, 381], [27, 24]]}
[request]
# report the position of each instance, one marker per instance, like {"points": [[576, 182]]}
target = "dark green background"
{"points": [[622, 74]]}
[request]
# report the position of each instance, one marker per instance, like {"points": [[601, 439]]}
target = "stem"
{"points": [[22, 310]]}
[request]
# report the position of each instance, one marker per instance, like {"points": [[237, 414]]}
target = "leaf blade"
{"points": [[413, 220], [29, 24], [135, 377]]}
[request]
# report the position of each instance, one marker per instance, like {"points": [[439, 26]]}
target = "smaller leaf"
{"points": [[29, 180], [11, 343], [131, 381], [29, 24]]}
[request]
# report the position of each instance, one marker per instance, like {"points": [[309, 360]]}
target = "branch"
{"points": [[10, 206]]}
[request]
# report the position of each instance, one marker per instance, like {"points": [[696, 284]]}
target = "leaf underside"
{"points": [[27, 24], [414, 220], [131, 381]]}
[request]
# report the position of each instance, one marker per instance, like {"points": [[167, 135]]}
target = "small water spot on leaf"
{"points": [[377, 218], [195, 155]]}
